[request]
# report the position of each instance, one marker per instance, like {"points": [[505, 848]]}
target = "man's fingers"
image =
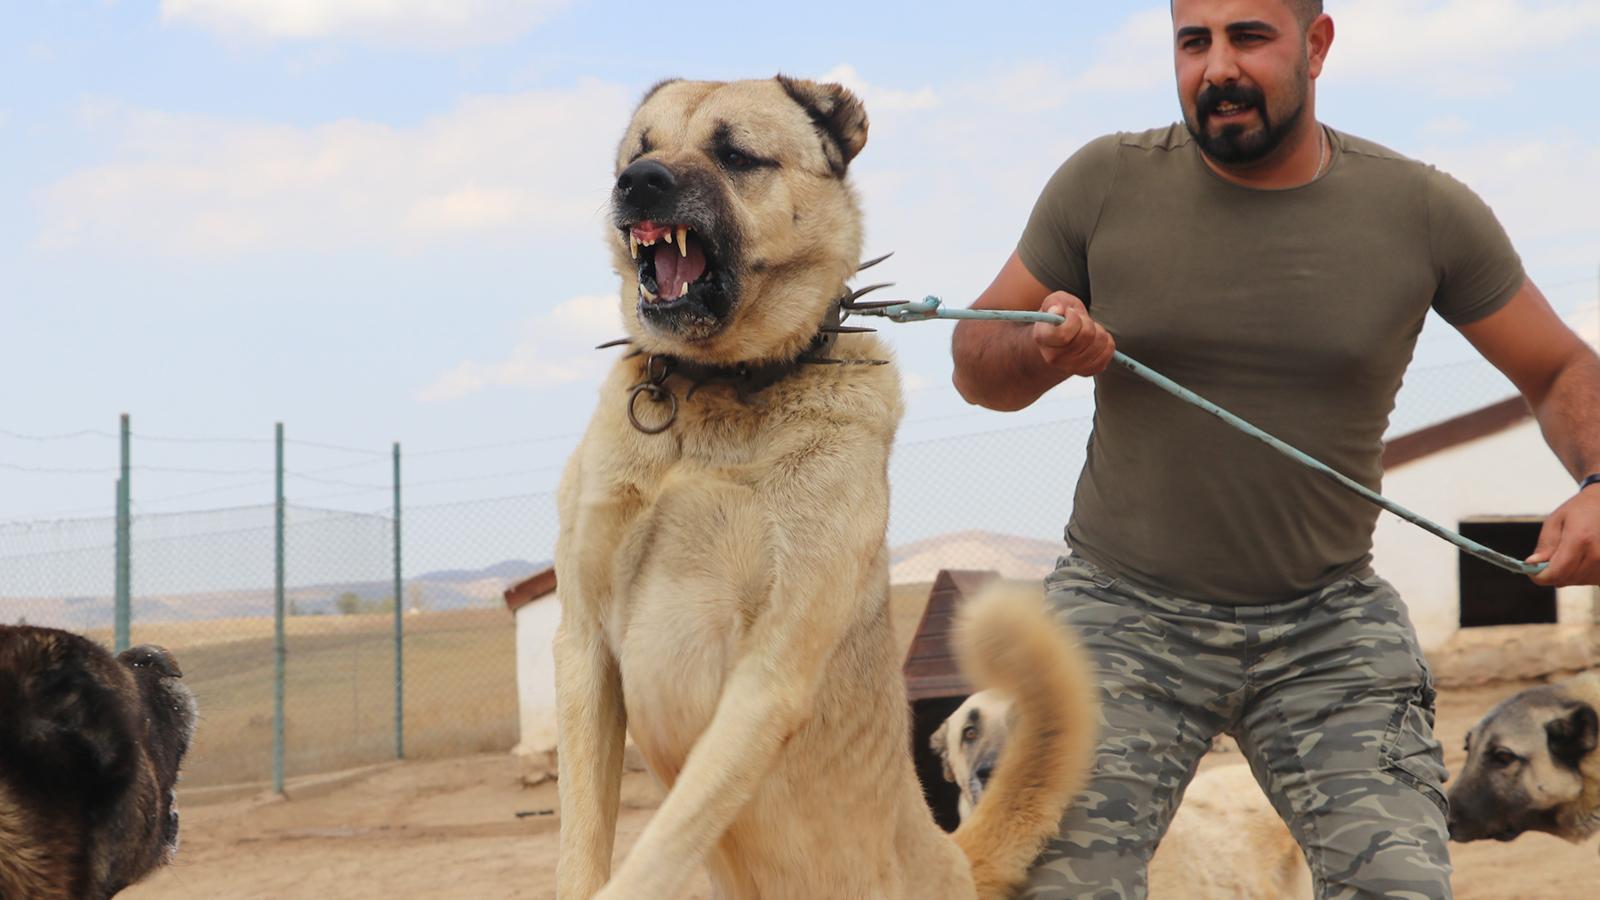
{"points": [[1549, 539]]}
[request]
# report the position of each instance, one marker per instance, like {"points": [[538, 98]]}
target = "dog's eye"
{"points": [[1502, 757], [969, 733], [733, 159]]}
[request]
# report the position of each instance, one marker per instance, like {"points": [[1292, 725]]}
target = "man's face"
{"points": [[1243, 75]]}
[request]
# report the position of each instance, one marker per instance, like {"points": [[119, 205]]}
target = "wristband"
{"points": [[1592, 479]]}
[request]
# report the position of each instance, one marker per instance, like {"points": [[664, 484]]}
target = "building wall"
{"points": [[1512, 473], [536, 685]]}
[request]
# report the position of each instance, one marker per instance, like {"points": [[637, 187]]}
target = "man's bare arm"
{"points": [[1559, 375], [1006, 366]]}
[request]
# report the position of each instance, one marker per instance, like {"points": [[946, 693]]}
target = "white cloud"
{"points": [[1135, 57], [878, 98], [522, 165], [1456, 47], [1539, 191], [556, 348], [429, 24]]}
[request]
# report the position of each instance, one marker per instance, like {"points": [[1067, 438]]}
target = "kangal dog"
{"points": [[724, 578]]}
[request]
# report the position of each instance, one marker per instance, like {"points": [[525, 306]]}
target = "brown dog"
{"points": [[1226, 842], [1532, 765], [724, 577], [90, 746]]}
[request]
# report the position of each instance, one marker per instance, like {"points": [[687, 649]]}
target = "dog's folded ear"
{"points": [[1574, 735], [941, 748], [837, 114]]}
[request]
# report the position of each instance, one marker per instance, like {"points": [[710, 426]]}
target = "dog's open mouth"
{"points": [[679, 274]]}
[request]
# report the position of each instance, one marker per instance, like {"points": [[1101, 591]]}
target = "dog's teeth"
{"points": [[685, 289], [633, 245], [645, 292], [683, 240]]}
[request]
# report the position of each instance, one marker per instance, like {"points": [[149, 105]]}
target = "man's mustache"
{"points": [[1213, 96]]}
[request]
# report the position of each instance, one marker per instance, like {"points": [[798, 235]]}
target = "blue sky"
{"points": [[382, 220]]}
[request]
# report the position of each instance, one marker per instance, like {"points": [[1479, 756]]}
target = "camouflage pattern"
{"points": [[1328, 696]]}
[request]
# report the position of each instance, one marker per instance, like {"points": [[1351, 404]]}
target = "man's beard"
{"points": [[1234, 144]]}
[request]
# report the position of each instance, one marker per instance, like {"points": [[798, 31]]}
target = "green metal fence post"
{"points": [[280, 651], [399, 628], [124, 598]]}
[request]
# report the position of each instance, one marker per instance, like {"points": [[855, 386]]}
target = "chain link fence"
{"points": [[202, 584]]}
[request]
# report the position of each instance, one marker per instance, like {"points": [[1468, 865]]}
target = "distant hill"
{"points": [[512, 570], [447, 589], [1010, 555]]}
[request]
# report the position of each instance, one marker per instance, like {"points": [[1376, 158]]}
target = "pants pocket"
{"points": [[1412, 754]]}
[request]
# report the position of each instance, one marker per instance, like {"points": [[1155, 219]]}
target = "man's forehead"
{"points": [[1221, 13]]}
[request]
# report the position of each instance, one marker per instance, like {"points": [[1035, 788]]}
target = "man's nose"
{"points": [[1222, 64]]}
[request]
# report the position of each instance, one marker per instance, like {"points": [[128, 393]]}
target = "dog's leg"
{"points": [[589, 756], [826, 554], [589, 699]]}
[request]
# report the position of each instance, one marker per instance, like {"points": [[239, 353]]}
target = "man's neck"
{"points": [[1301, 157]]}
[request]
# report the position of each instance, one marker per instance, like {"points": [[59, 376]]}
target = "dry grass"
{"points": [[460, 689]]}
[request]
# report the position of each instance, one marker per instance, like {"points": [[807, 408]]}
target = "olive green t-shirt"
{"points": [[1295, 309]]}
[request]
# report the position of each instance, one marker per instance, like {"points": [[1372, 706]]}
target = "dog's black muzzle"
{"points": [[647, 190]]}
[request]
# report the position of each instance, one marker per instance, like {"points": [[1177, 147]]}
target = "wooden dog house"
{"points": [[934, 684]]}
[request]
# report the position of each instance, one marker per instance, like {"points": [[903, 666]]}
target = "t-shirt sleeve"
{"points": [[1055, 244], [1476, 269]]}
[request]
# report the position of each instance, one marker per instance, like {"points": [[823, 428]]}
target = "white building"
{"points": [[1489, 475], [537, 610]]}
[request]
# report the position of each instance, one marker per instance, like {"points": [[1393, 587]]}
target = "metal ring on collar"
{"points": [[657, 392]]}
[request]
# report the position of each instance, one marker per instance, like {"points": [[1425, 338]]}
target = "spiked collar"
{"points": [[747, 378]]}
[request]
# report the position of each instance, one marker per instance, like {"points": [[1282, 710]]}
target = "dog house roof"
{"points": [[539, 584], [930, 666]]}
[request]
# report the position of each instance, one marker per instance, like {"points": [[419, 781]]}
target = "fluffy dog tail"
{"points": [[1006, 640]]}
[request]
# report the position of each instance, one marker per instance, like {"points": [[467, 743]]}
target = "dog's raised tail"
{"points": [[1006, 640]]}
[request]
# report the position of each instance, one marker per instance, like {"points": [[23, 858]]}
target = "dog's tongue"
{"points": [[674, 271]]}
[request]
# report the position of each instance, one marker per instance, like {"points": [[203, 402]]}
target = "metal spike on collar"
{"points": [[848, 301], [874, 261], [846, 329], [616, 343]]}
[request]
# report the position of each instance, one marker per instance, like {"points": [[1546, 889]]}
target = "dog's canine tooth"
{"points": [[633, 246], [645, 292], [683, 240], [685, 289]]}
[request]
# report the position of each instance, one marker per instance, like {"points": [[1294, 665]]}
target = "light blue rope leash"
{"points": [[930, 308]]}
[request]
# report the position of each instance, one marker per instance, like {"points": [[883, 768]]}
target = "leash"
{"points": [[930, 308]]}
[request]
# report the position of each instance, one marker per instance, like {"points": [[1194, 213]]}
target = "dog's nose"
{"points": [[646, 183]]}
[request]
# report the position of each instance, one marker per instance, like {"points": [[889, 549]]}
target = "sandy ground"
{"points": [[450, 829]]}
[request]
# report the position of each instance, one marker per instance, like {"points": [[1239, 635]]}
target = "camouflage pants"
{"points": [[1329, 699]]}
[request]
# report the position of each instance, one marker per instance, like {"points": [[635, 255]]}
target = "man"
{"points": [[1282, 270]]}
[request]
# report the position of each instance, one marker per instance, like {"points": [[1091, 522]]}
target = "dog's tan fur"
{"points": [[1547, 777], [1226, 842], [725, 583]]}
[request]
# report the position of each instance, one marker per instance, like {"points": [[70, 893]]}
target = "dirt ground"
{"points": [[450, 829]]}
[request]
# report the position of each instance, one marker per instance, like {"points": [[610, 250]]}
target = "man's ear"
{"points": [[1573, 736], [839, 117]]}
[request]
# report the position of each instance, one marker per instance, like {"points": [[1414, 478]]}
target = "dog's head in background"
{"points": [[1533, 764], [90, 747], [969, 744]]}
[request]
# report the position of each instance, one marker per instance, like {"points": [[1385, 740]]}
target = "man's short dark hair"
{"points": [[1305, 11]]}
